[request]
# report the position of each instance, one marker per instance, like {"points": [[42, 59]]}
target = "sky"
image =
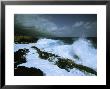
{"points": [[60, 25]]}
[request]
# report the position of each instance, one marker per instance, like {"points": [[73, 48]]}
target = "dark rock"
{"points": [[76, 57], [64, 63], [19, 56], [25, 71], [44, 55], [24, 39]]}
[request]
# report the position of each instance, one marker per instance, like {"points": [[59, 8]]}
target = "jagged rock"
{"points": [[25, 71], [64, 63], [19, 56], [44, 55]]}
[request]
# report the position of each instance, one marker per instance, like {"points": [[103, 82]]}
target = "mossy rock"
{"points": [[65, 64], [25, 39], [44, 55]]}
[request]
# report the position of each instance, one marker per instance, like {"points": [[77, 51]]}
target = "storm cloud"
{"points": [[58, 25]]}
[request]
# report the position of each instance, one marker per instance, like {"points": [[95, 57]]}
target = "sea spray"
{"points": [[86, 52], [82, 48]]}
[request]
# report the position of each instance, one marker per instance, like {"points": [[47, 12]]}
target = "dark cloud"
{"points": [[60, 25]]}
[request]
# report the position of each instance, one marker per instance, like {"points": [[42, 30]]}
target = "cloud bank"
{"points": [[50, 24]]}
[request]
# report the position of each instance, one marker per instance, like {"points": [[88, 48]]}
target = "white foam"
{"points": [[88, 55], [80, 47]]}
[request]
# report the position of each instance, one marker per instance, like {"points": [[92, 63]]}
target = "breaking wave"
{"points": [[83, 48]]}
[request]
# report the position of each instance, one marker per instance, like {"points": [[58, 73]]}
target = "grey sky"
{"points": [[61, 25]]}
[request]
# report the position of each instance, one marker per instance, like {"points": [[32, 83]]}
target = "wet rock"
{"points": [[64, 63], [76, 57], [19, 56], [25, 71], [44, 55]]}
